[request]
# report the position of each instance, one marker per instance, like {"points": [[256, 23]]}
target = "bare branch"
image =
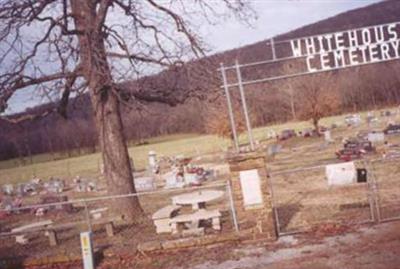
{"points": [[62, 106]]}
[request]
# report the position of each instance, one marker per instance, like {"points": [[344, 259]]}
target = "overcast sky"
{"points": [[277, 17], [274, 17]]}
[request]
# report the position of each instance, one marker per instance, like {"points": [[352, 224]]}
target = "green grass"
{"points": [[182, 144], [88, 165], [47, 157]]}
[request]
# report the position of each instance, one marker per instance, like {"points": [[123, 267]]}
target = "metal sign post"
{"points": [[244, 104], [230, 110], [87, 250], [273, 49]]}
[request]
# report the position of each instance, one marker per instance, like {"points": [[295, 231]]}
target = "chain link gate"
{"points": [[302, 200], [385, 174]]}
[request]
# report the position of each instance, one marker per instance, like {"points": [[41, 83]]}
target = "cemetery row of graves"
{"points": [[346, 173]]}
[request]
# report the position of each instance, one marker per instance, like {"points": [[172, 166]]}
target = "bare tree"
{"points": [[288, 95], [218, 122], [288, 90], [66, 47], [318, 97]]}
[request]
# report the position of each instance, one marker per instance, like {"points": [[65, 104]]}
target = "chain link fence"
{"points": [[302, 199], [41, 226], [33, 230], [386, 176]]}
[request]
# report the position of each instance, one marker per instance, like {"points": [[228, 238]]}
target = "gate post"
{"points": [[251, 195]]}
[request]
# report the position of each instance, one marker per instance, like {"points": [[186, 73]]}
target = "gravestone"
{"points": [[341, 173], [174, 179], [55, 185], [192, 179], [327, 136], [30, 188], [8, 189], [153, 166], [272, 150], [376, 137], [145, 183], [271, 134]]}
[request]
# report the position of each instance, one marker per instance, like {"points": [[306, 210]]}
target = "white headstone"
{"points": [[173, 181], [8, 189], [191, 178], [152, 159], [271, 134], [327, 136], [376, 137], [144, 183], [341, 173], [251, 187]]}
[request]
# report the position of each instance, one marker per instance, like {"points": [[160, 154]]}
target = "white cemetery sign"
{"points": [[316, 54], [251, 187], [349, 48]]}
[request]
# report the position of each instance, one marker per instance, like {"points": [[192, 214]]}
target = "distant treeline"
{"points": [[359, 88]]}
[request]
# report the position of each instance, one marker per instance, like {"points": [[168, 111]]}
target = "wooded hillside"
{"points": [[357, 88]]}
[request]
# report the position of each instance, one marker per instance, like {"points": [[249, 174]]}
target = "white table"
{"points": [[197, 199]]}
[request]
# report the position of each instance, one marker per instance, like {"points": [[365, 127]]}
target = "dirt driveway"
{"points": [[372, 247], [369, 247]]}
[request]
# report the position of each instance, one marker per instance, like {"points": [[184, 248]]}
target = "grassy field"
{"points": [[302, 199], [185, 144]]}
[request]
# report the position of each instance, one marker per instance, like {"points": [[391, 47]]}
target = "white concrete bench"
{"points": [[50, 229], [193, 219], [20, 237], [163, 216]]}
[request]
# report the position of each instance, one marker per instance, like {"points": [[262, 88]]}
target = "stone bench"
{"points": [[162, 217], [193, 220], [50, 230], [21, 231]]}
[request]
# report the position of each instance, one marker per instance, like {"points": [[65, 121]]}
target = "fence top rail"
{"points": [[394, 158], [100, 198], [279, 172], [294, 75]]}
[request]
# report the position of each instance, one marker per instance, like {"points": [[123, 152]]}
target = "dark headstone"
{"points": [[361, 175]]}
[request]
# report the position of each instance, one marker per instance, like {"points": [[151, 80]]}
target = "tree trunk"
{"points": [[106, 109], [315, 123]]}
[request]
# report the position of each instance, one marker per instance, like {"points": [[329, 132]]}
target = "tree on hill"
{"points": [[217, 120], [66, 47], [317, 97]]}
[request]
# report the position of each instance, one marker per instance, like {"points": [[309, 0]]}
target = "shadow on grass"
{"points": [[285, 215]]}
